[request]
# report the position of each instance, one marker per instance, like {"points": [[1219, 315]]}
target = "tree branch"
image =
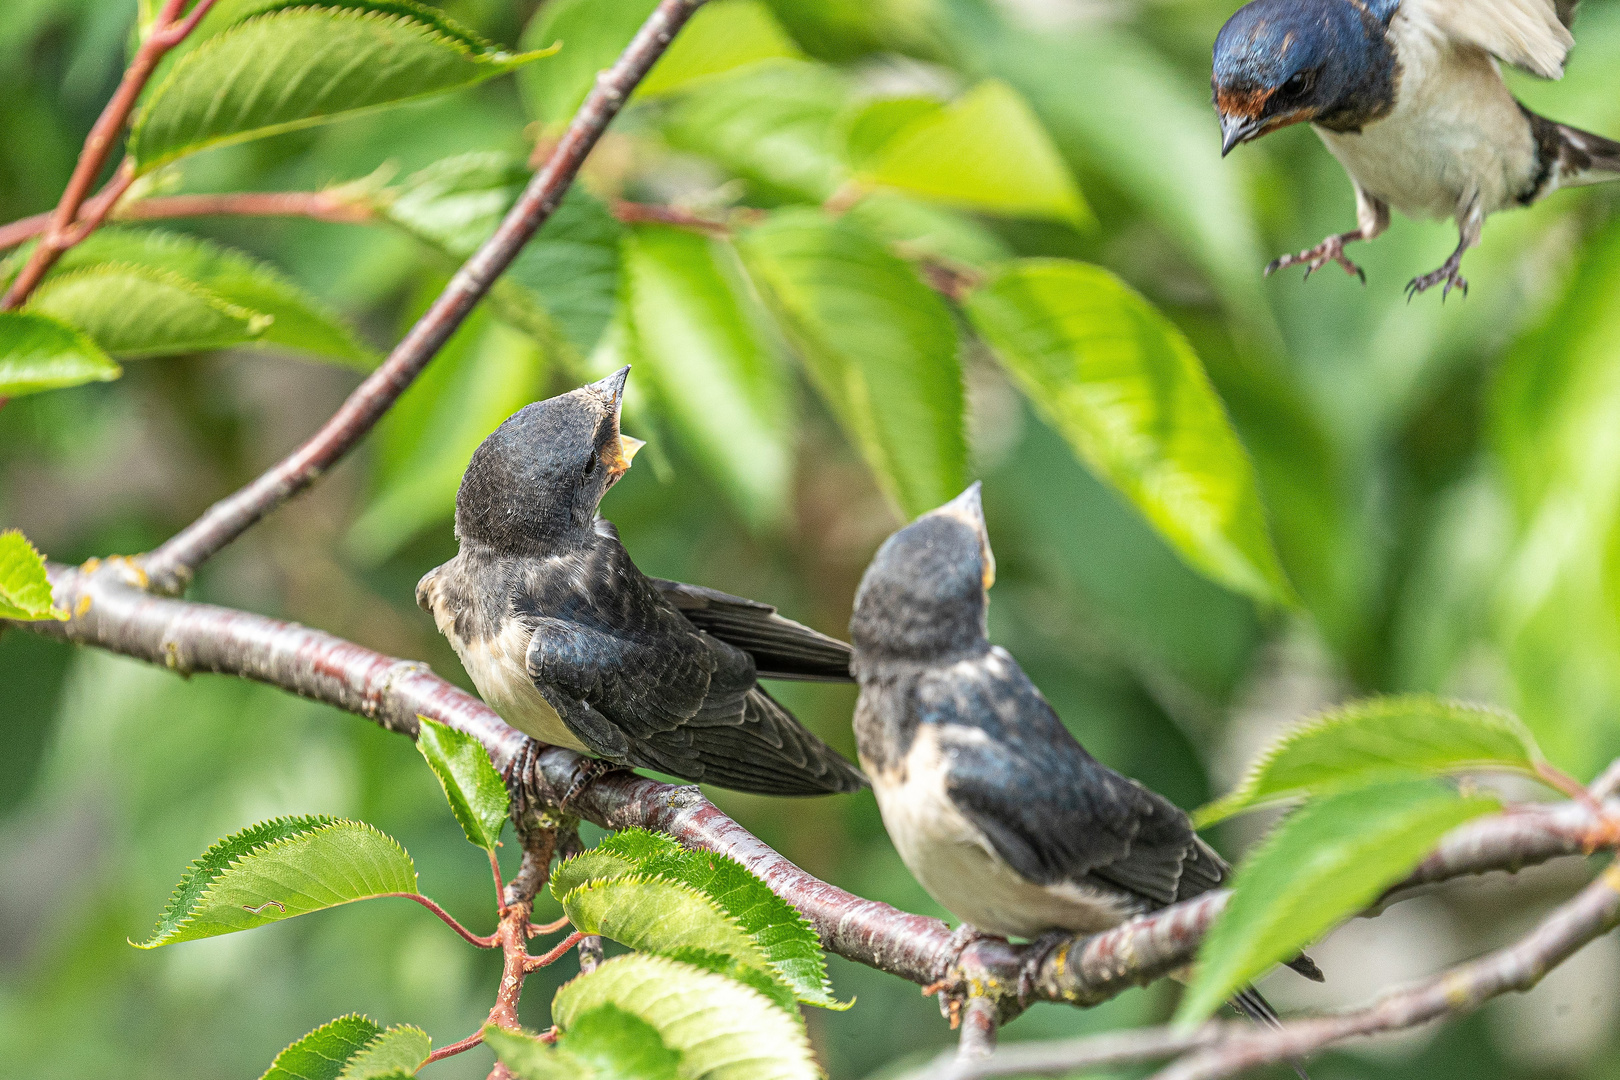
{"points": [[110, 612], [65, 228], [171, 565], [330, 205]]}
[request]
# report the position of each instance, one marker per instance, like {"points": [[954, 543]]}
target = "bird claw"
{"points": [[1029, 972], [589, 771], [1329, 250], [1450, 274]]}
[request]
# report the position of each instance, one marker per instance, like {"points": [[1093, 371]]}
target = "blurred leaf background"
{"points": [[1441, 482]]}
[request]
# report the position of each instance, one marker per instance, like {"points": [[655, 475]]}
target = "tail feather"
{"points": [[1585, 158], [1251, 1003]]}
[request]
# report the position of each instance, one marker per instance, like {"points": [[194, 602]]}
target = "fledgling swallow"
{"points": [[995, 808], [1408, 96], [576, 647]]}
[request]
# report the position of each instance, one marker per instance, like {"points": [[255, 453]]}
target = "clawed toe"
{"points": [[1329, 250], [1029, 972], [1450, 274], [588, 772]]}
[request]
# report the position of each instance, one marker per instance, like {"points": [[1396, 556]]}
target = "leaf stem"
{"points": [[452, 1049], [548, 928], [449, 920], [535, 963], [500, 886], [64, 230]]}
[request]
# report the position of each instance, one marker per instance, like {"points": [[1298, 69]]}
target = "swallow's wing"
{"points": [[781, 648], [1531, 34], [1051, 810]]}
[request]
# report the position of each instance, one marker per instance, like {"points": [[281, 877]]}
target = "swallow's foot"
{"points": [[587, 773], [1329, 250], [1450, 274], [1029, 972], [965, 935]]}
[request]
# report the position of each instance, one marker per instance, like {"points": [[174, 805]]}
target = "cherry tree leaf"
{"points": [[39, 353]]}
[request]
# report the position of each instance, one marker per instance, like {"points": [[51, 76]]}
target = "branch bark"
{"points": [[65, 227], [109, 611], [170, 567]]}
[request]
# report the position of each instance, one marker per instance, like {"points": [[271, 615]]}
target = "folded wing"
{"points": [[781, 648], [1531, 34]]}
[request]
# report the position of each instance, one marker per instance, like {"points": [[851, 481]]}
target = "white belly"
{"points": [[498, 668], [1456, 133], [956, 863]]}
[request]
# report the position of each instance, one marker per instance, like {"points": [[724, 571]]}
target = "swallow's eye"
{"points": [[1298, 84], [590, 464]]}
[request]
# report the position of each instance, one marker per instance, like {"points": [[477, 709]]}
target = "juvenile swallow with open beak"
{"points": [[995, 808], [576, 647], [1408, 95]]}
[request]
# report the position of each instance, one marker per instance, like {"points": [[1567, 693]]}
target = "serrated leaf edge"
{"points": [[322, 1027], [51, 611], [254, 323], [500, 61], [1237, 801], [326, 825]]}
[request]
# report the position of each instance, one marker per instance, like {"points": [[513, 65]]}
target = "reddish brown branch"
{"points": [[65, 228], [452, 1049], [330, 206], [171, 566], [555, 953], [109, 612], [634, 213], [449, 919]]}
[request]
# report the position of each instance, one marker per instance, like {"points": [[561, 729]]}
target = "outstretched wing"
{"points": [[1531, 34], [781, 648], [1051, 810]]}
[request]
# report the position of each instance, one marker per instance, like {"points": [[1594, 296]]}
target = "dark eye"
{"points": [[590, 464], [1298, 84]]}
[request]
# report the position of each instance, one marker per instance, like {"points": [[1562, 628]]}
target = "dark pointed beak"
{"points": [[968, 508], [1237, 129], [612, 387]]}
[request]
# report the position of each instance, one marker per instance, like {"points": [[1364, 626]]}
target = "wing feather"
{"points": [[1531, 34]]}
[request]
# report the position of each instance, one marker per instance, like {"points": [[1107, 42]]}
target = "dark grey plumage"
{"points": [[994, 806], [573, 645]]}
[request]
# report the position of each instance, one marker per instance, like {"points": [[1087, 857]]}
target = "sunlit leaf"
{"points": [[41, 353], [1328, 861], [775, 123], [921, 230], [403, 1049], [703, 349], [722, 36], [25, 591], [870, 128], [135, 311], [296, 67], [879, 345], [278, 869], [606, 1043], [1122, 385], [986, 151], [592, 34], [322, 1054], [787, 941], [722, 1029], [1356, 744], [477, 795], [297, 320]]}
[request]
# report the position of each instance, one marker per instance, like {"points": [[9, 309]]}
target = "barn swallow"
{"points": [[576, 647], [992, 804], [1408, 96]]}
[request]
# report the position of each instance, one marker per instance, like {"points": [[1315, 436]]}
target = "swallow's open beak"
{"points": [[968, 508], [618, 455], [1238, 129], [620, 450]]}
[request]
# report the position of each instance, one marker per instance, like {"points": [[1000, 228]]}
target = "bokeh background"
{"points": [[1443, 483]]}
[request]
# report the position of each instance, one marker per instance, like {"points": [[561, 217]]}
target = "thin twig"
{"points": [[171, 565], [449, 920], [64, 229], [317, 205], [452, 1049], [1607, 786], [555, 953], [634, 213], [109, 612], [979, 1021], [548, 928]]}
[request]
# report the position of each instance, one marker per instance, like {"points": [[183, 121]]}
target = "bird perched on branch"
{"points": [[1408, 95], [576, 647], [995, 808]]}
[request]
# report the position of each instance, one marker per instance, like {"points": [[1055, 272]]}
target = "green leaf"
{"points": [[986, 151], [703, 347], [485, 373], [138, 311], [787, 941], [1123, 386], [722, 1029], [916, 229], [25, 591], [293, 68], [879, 345], [1355, 745], [1329, 860], [40, 353], [606, 1043], [322, 1054], [399, 1050], [870, 128], [477, 795], [592, 34], [775, 123], [278, 869], [297, 320], [666, 918], [563, 287], [722, 36]]}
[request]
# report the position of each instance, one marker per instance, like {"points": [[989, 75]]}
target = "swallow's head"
{"points": [[925, 595], [1284, 62], [539, 478]]}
